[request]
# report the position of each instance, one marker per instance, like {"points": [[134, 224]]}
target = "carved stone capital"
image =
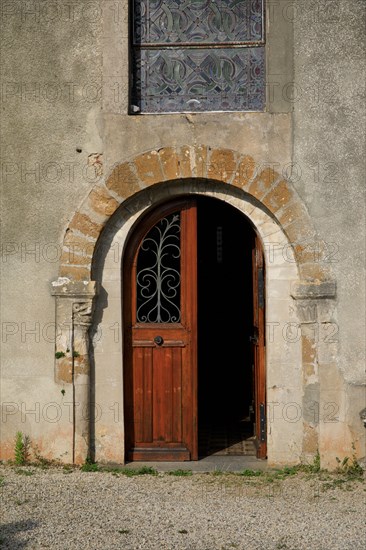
{"points": [[311, 297], [82, 313], [74, 308], [307, 311]]}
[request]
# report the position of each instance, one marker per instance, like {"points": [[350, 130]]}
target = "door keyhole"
{"points": [[158, 340]]}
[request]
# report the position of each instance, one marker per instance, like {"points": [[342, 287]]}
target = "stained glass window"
{"points": [[198, 55]]}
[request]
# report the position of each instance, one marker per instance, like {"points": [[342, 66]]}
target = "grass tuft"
{"points": [[180, 473], [251, 473]]}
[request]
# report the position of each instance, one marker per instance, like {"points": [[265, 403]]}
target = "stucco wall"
{"points": [[329, 146], [51, 80], [64, 103]]}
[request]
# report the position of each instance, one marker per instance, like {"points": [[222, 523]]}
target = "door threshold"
{"points": [[207, 464]]}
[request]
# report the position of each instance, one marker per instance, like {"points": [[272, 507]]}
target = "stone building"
{"points": [[232, 131]]}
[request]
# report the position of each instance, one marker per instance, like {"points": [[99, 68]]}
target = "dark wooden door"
{"points": [[160, 287], [258, 349]]}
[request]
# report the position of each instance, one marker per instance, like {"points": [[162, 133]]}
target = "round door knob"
{"points": [[158, 340]]}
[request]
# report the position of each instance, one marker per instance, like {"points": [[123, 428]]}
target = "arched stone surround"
{"points": [[295, 281], [166, 164]]}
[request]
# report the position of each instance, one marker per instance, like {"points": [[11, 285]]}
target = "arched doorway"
{"points": [[101, 228], [194, 376]]}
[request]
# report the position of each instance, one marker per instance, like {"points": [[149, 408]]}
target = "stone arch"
{"points": [[266, 185], [276, 211], [281, 274]]}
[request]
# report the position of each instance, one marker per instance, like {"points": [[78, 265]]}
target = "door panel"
{"points": [[160, 391], [258, 343], [160, 334]]}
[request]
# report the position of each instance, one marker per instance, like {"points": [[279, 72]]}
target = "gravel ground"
{"points": [[58, 509]]}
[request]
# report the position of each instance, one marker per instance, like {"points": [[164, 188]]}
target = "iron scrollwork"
{"points": [[158, 276]]}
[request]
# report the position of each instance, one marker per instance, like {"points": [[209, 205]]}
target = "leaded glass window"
{"points": [[198, 55]]}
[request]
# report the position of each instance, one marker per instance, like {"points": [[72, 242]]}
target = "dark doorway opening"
{"points": [[225, 240]]}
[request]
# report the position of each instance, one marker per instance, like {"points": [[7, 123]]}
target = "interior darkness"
{"points": [[225, 313]]}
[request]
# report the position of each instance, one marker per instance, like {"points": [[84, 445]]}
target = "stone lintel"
{"points": [[313, 291]]}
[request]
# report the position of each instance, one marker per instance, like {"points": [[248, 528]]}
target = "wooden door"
{"points": [[258, 349], [160, 282]]}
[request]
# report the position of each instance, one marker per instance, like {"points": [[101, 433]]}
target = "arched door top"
{"points": [[205, 166], [288, 277]]}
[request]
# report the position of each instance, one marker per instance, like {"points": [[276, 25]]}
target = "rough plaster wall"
{"points": [[50, 107], [329, 150]]}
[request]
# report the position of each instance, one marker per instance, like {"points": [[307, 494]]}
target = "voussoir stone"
{"points": [[148, 168], [200, 164], [170, 163], [279, 196], [71, 258], [102, 202], [123, 181], [291, 212], [222, 165], [262, 183], [85, 225], [74, 244], [185, 162], [75, 273], [314, 272], [244, 172]]}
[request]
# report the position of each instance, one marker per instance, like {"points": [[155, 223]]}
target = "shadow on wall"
{"points": [[102, 303]]}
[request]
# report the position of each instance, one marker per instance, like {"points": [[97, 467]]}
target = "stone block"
{"points": [[71, 258], [278, 197], [170, 163], [309, 371], [85, 225], [307, 252], [311, 438], [262, 183], [123, 181], [64, 370], [185, 162], [222, 165], [76, 273], [74, 244], [200, 161], [148, 168], [308, 347], [245, 172], [305, 290], [300, 231], [314, 272], [291, 212], [102, 202]]}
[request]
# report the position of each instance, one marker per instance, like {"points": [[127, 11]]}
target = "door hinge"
{"points": [[255, 337], [260, 288], [262, 422]]}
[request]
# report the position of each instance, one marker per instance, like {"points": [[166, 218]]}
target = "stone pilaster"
{"points": [[74, 305], [311, 300]]}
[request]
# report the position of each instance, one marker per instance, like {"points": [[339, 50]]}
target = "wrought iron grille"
{"points": [[158, 273], [198, 55]]}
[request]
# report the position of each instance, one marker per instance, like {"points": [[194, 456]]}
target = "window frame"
{"points": [[245, 44]]}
